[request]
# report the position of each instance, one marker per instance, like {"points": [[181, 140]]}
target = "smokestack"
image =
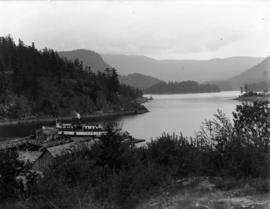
{"points": [[77, 115]]}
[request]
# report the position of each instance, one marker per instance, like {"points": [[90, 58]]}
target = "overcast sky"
{"points": [[161, 29]]}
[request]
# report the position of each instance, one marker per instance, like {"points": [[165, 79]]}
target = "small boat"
{"points": [[84, 130]]}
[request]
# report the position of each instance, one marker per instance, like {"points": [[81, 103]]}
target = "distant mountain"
{"points": [[179, 70], [88, 57], [257, 77], [181, 87], [138, 80]]}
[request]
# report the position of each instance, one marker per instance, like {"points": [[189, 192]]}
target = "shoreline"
{"points": [[63, 118]]}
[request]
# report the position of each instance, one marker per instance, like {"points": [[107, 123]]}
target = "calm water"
{"points": [[178, 113], [168, 113]]}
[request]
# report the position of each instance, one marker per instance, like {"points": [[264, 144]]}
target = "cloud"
{"points": [[161, 29]]}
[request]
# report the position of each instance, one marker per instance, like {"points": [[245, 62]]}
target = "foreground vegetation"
{"points": [[36, 83], [114, 174]]}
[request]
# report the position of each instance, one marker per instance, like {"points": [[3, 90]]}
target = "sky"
{"points": [[194, 29]]}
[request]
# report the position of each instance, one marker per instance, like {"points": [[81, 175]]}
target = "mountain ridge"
{"points": [[179, 70], [143, 72]]}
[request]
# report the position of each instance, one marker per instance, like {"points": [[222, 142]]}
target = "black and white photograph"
{"points": [[134, 104]]}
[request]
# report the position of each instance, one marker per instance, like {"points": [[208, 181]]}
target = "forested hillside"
{"points": [[40, 83], [181, 87]]}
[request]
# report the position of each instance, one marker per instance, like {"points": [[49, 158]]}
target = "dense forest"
{"points": [[181, 87], [36, 83]]}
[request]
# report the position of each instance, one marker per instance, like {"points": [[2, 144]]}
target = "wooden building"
{"points": [[51, 153]]}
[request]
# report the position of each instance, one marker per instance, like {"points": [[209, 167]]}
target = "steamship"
{"points": [[84, 130]]}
